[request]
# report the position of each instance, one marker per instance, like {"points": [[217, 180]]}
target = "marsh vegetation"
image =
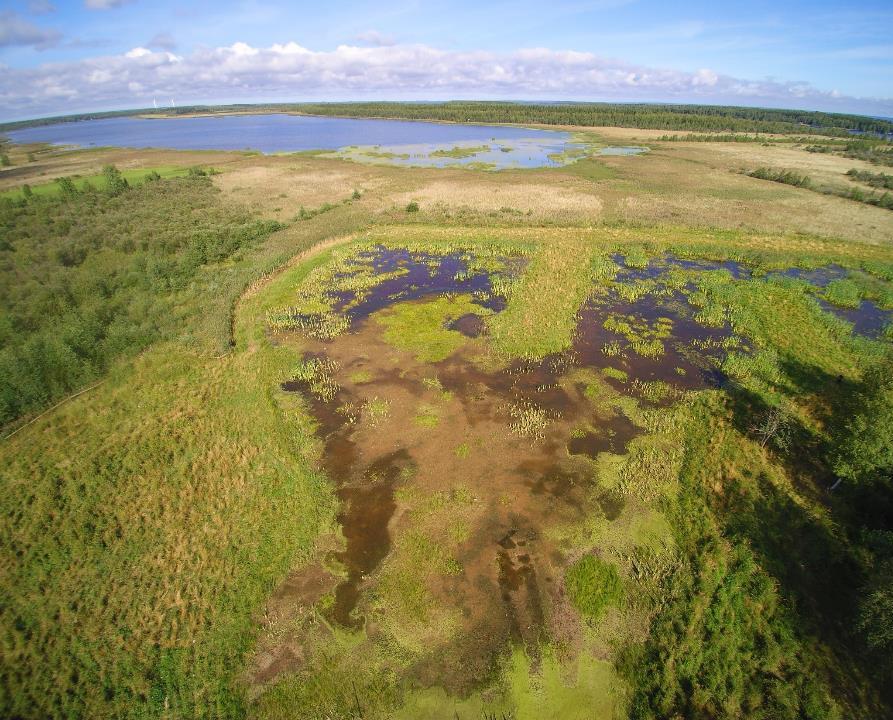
{"points": [[545, 443]]}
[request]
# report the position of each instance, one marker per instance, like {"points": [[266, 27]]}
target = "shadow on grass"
{"points": [[818, 563]]}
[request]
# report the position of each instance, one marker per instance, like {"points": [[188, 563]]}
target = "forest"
{"points": [[692, 118]]}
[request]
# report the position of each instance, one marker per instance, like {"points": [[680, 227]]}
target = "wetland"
{"points": [[370, 431], [462, 472]]}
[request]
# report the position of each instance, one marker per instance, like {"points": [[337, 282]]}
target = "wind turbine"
{"points": [[155, 103]]}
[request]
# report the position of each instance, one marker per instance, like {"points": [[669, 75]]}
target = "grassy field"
{"points": [[170, 537], [133, 176]]}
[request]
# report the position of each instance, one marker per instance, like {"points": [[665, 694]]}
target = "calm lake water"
{"points": [[506, 146]]}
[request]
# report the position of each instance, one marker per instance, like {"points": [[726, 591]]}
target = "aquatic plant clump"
{"points": [[593, 586], [528, 420]]}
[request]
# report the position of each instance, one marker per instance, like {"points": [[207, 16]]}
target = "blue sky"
{"points": [[60, 56]]}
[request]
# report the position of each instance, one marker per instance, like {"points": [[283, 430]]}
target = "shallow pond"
{"points": [[494, 153], [868, 319], [495, 454], [538, 419], [620, 150]]}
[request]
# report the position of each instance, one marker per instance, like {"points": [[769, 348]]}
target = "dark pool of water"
{"points": [[367, 506], [269, 133], [819, 277], [659, 266], [470, 325], [867, 320], [691, 356], [424, 275]]}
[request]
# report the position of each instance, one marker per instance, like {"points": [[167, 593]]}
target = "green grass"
{"points": [[460, 151], [844, 293], [593, 586], [134, 176], [541, 315], [590, 169], [419, 327], [427, 417]]}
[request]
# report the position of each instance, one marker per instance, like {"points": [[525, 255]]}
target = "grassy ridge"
{"points": [[542, 311], [155, 513]]}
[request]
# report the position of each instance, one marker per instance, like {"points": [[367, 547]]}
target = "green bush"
{"points": [[786, 177], [864, 446], [412, 207], [593, 585], [115, 183], [67, 189]]}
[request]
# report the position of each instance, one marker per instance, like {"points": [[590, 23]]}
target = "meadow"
{"points": [[292, 436]]}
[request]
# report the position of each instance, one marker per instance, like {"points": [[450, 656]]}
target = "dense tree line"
{"points": [[89, 276], [659, 117], [695, 118]]}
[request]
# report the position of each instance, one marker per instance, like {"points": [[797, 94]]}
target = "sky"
{"points": [[59, 57]]}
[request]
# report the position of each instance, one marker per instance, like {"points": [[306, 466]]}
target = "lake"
{"points": [[392, 141]]}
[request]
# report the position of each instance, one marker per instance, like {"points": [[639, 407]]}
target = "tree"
{"points": [[864, 448], [66, 187], [115, 182], [876, 615], [774, 427]]}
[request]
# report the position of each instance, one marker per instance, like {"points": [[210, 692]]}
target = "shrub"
{"points": [[115, 182], [412, 207], [787, 177], [67, 189], [864, 448], [95, 279]]}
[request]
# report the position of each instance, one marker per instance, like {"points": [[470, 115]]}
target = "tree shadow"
{"points": [[817, 562]]}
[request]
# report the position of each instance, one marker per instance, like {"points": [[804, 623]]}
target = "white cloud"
{"points": [[15, 30], [705, 77], [290, 72], [137, 52]]}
